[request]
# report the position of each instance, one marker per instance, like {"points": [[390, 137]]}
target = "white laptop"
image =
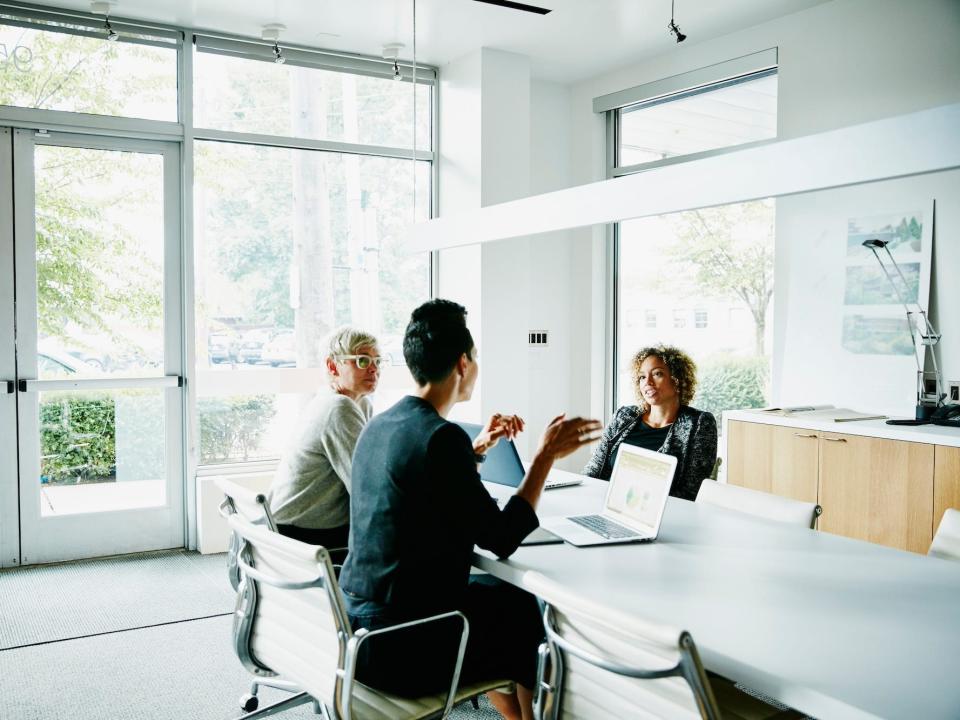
{"points": [[633, 509]]}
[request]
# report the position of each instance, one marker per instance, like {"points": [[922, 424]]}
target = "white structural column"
{"points": [[485, 160], [505, 291]]}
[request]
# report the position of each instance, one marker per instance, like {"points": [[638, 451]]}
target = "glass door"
{"points": [[98, 345], [9, 521]]}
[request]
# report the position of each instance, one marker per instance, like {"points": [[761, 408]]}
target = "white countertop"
{"points": [[931, 434]]}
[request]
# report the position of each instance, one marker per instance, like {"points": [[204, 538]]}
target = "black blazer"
{"points": [[417, 508], [692, 440]]}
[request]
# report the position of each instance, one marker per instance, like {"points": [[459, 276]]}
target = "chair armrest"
{"points": [[258, 575], [361, 636], [561, 642]]}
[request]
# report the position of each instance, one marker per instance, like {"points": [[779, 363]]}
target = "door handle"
{"points": [[835, 439], [805, 435], [11, 387]]}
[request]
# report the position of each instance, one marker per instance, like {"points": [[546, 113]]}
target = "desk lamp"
{"points": [[929, 396]]}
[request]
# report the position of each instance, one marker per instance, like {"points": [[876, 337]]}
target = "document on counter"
{"points": [[796, 410]]}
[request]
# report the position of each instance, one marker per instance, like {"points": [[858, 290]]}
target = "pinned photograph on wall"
{"points": [[874, 319]]}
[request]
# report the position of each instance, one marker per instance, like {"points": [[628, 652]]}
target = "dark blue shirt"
{"points": [[417, 508]]}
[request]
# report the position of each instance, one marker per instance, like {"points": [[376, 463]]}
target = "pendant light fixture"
{"points": [[103, 8], [391, 51], [673, 27], [271, 33]]}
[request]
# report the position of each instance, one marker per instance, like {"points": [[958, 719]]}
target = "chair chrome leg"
{"points": [[291, 702]]}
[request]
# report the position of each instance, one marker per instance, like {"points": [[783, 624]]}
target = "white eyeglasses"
{"points": [[363, 361]]}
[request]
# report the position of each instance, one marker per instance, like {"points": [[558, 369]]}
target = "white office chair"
{"points": [[252, 506], [600, 664], [291, 620], [946, 543], [759, 504]]}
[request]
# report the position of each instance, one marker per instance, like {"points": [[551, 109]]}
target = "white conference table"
{"points": [[836, 628]]}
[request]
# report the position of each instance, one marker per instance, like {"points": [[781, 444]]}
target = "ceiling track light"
{"points": [[103, 8], [673, 27], [391, 51], [271, 33]]}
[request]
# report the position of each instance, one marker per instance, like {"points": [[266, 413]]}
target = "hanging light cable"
{"points": [[673, 27], [414, 86]]}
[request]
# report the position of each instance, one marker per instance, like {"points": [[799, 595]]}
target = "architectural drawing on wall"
{"points": [[874, 320]]}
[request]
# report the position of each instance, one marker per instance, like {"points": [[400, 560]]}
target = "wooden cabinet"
{"points": [[946, 481], [877, 490], [773, 459], [888, 491]]}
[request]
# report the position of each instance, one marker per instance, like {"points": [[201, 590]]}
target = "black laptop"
{"points": [[503, 465]]}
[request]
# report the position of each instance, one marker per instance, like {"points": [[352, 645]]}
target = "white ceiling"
{"points": [[579, 39]]}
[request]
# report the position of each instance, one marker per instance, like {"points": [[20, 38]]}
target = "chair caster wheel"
{"points": [[249, 703]]}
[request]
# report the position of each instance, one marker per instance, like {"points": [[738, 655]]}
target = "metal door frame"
{"points": [[48, 539]]}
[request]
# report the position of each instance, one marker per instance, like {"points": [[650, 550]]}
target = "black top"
{"points": [[417, 508], [641, 435]]}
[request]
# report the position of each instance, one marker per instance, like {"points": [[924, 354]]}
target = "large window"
{"points": [[710, 271], [291, 243], [263, 97], [72, 68], [721, 115]]}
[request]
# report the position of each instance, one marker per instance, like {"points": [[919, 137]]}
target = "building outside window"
{"points": [[700, 318]]}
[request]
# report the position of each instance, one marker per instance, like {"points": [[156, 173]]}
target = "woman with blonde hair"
{"points": [[665, 379], [310, 494]]}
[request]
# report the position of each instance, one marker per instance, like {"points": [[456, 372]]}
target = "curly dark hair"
{"points": [[683, 371]]}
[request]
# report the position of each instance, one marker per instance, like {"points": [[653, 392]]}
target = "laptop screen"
{"points": [[502, 465], [639, 485]]}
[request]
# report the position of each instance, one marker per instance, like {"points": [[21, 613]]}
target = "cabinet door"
{"points": [[877, 490], [773, 459], [750, 455], [946, 481]]}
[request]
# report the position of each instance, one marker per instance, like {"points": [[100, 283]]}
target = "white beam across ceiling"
{"points": [[911, 144]]}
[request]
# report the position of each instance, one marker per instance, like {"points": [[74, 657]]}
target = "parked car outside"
{"points": [[222, 347], [391, 346], [282, 350], [54, 363], [250, 348]]}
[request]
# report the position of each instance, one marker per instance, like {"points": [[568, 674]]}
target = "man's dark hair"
{"points": [[436, 337]]}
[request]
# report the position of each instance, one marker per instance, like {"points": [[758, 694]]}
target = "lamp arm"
{"points": [[890, 279], [928, 334], [911, 324]]}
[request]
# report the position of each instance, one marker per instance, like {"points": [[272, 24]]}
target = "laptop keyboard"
{"points": [[603, 527]]}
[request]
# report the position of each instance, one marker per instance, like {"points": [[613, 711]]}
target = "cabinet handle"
{"points": [[835, 439], [805, 435]]}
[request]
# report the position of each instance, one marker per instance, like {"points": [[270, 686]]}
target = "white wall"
{"points": [[841, 63]]}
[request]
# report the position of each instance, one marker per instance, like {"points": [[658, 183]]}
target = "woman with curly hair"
{"points": [[664, 379]]}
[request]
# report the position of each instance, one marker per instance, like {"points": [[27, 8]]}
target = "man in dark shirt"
{"points": [[418, 508]]}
